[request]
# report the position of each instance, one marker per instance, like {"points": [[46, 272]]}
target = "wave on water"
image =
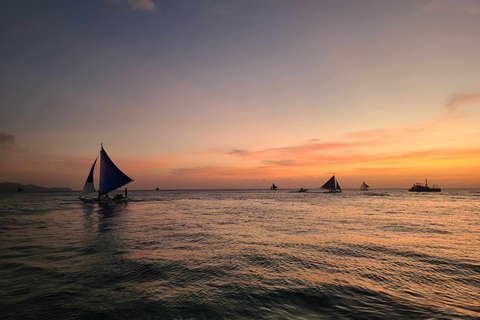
{"points": [[376, 194], [241, 255]]}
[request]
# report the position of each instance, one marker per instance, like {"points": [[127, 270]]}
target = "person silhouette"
{"points": [[126, 191]]}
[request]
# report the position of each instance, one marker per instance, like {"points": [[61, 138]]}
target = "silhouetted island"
{"points": [[18, 187]]}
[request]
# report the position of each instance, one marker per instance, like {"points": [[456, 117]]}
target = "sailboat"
{"points": [[364, 186], [332, 185], [273, 187], [111, 178]]}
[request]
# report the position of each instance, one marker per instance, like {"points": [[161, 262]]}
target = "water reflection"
{"points": [[104, 227], [103, 214], [242, 254]]}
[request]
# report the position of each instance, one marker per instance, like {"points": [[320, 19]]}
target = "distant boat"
{"points": [[273, 187], [157, 189], [302, 190], [364, 186], [20, 189], [332, 185], [111, 178], [418, 187]]}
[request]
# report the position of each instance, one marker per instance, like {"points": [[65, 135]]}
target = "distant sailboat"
{"points": [[332, 185], [273, 187], [111, 178], [157, 189], [364, 186]]}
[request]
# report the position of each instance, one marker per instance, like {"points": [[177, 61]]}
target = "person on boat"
{"points": [[126, 191], [106, 196]]}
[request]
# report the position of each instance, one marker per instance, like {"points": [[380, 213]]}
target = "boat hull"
{"points": [[426, 190], [105, 201]]}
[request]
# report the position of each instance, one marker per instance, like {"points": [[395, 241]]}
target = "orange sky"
{"points": [[229, 94]]}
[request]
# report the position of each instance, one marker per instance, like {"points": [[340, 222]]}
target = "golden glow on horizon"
{"points": [[389, 157]]}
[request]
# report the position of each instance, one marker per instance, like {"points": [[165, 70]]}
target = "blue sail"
{"points": [[111, 177], [89, 187]]}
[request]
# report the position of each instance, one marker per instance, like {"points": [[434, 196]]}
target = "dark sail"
{"points": [[330, 184], [273, 187], [111, 177], [89, 187], [364, 186], [338, 186]]}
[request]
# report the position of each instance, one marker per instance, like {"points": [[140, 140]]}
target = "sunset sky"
{"points": [[188, 94]]}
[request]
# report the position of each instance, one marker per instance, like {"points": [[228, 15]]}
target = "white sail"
{"points": [[89, 187], [111, 177]]}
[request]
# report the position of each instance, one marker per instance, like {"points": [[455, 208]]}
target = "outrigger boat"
{"points": [[364, 186], [111, 178], [332, 185], [273, 187]]}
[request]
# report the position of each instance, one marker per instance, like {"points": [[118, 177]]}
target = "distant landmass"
{"points": [[16, 187]]}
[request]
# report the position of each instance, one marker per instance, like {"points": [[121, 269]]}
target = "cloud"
{"points": [[283, 162], [459, 99], [384, 149], [141, 5], [241, 153], [286, 156], [221, 172], [345, 148], [6, 139]]}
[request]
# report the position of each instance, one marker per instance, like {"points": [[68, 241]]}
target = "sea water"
{"points": [[242, 254]]}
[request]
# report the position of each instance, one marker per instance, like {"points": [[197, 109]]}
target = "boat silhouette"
{"points": [[111, 178], [418, 187], [332, 185], [364, 186]]}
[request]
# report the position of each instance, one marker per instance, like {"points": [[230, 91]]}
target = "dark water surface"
{"points": [[384, 254]]}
